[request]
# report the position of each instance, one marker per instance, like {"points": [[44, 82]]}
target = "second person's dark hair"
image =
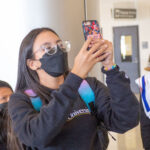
{"points": [[4, 84]]}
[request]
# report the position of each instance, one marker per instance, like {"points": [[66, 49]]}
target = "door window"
{"points": [[126, 48]]}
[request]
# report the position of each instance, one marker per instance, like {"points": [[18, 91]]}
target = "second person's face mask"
{"points": [[3, 106], [56, 64]]}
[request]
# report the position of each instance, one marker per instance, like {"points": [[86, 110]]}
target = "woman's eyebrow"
{"points": [[3, 97], [46, 43], [58, 41], [51, 43]]}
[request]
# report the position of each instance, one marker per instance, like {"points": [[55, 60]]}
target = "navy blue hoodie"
{"points": [[65, 123]]}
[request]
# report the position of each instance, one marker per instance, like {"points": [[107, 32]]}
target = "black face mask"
{"points": [[3, 106], [55, 65]]}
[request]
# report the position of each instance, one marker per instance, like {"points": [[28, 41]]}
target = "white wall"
{"points": [[144, 32], [18, 17], [131, 140], [11, 31]]}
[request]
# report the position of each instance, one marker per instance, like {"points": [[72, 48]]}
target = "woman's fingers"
{"points": [[86, 44], [108, 61], [100, 51], [102, 57], [85, 60], [96, 46]]}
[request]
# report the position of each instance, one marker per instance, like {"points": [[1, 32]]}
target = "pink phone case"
{"points": [[91, 29]]}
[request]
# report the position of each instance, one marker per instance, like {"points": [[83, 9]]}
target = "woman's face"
{"points": [[5, 94], [49, 57], [43, 39]]}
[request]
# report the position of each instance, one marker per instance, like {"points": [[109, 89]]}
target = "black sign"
{"points": [[124, 13]]}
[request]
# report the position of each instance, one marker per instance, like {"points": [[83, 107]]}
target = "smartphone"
{"points": [[91, 29]]}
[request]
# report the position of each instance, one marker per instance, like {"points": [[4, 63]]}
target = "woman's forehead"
{"points": [[5, 91], [45, 37]]}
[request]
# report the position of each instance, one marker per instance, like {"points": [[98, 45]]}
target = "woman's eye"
{"points": [[47, 49], [61, 45], [3, 98]]}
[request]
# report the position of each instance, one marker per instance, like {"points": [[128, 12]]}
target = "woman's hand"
{"points": [[108, 61], [86, 59]]}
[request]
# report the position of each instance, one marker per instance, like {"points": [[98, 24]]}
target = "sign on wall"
{"points": [[120, 13]]}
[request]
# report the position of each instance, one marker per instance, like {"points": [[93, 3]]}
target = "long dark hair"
{"points": [[3, 128], [27, 78], [4, 84], [3, 119]]}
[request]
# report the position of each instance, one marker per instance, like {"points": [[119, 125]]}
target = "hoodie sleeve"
{"points": [[116, 105], [145, 128], [37, 129]]}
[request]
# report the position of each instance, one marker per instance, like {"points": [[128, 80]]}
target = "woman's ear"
{"points": [[33, 64]]}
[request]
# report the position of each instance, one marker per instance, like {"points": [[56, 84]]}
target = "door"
{"points": [[126, 52]]}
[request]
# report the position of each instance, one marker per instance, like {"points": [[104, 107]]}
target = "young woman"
{"points": [[5, 92], [61, 119]]}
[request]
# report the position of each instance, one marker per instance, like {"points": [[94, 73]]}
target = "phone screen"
{"points": [[91, 29]]}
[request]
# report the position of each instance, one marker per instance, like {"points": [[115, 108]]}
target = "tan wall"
{"points": [[19, 17], [64, 16]]}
